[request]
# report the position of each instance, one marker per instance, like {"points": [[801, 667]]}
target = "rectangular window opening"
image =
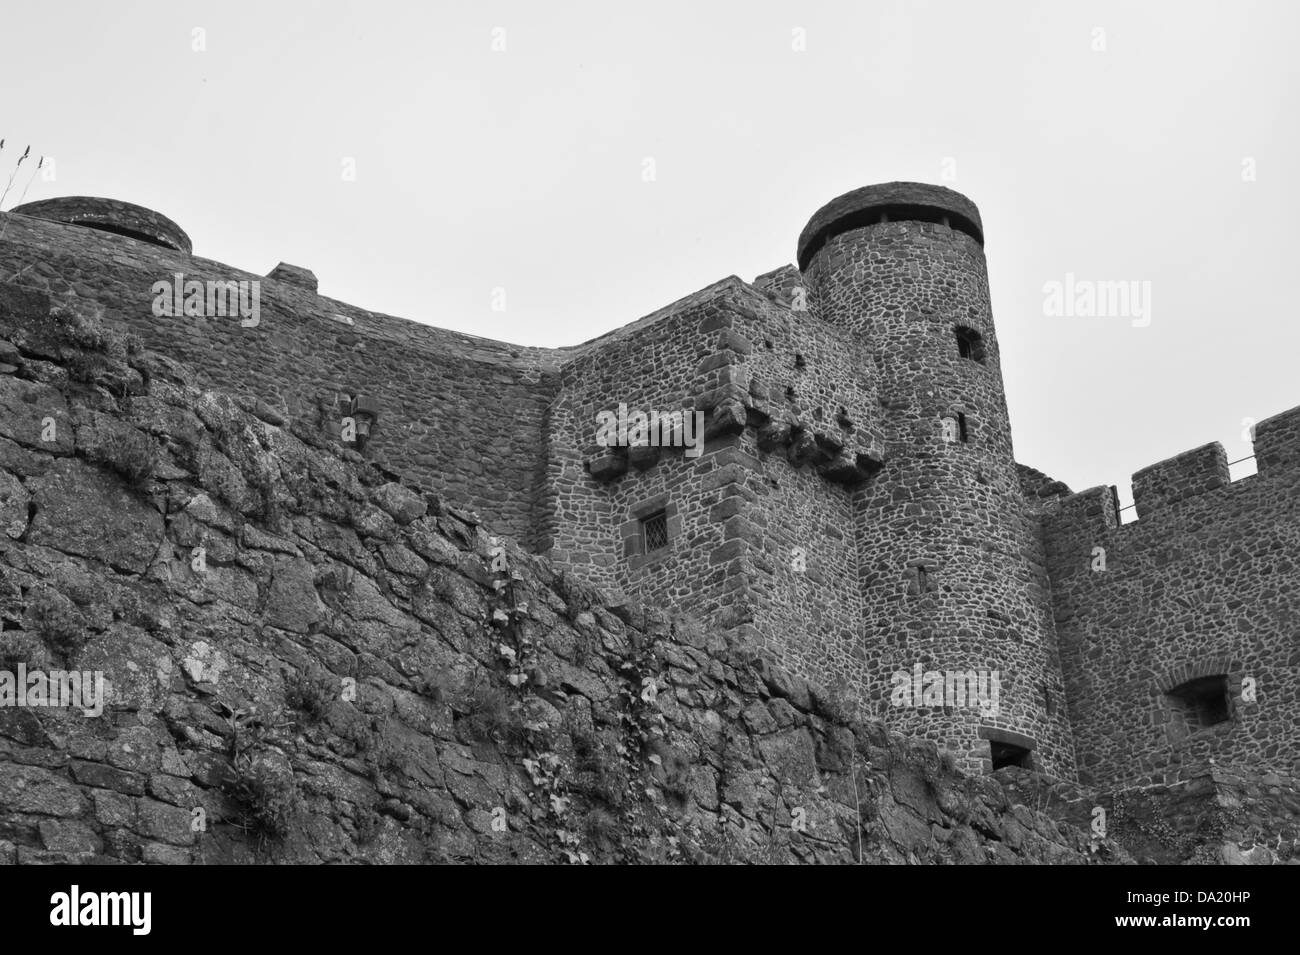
{"points": [[970, 344], [1202, 702], [654, 531]]}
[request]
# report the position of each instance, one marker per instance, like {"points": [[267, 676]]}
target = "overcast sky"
{"points": [[612, 158]]}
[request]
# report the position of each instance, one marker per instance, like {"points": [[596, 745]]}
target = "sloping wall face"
{"points": [[455, 414], [1179, 630], [304, 661]]}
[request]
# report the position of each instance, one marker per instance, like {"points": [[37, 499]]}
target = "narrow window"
{"points": [[922, 580], [1008, 754], [954, 429], [654, 531], [1202, 702], [970, 344]]}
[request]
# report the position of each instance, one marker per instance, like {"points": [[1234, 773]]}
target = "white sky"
{"points": [[523, 169]]}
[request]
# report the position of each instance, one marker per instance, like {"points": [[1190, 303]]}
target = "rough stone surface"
{"points": [[79, 511], [369, 706], [855, 511]]}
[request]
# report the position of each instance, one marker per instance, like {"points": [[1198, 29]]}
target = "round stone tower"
{"points": [[957, 626]]}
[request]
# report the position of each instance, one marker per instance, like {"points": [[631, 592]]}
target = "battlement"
{"points": [[110, 215], [1174, 482], [1169, 483], [888, 202], [1182, 476], [1088, 516], [1277, 441], [1159, 620]]}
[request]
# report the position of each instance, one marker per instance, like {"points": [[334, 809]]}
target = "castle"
{"points": [[853, 504]]}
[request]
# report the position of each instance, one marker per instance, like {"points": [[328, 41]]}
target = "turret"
{"points": [[950, 576]]}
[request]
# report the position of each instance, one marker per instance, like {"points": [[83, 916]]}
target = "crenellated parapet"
{"points": [[1177, 629], [1094, 511], [1277, 443], [1177, 483], [1175, 479]]}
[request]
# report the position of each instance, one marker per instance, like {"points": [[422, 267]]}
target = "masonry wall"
{"points": [[355, 674], [801, 602], [595, 496], [483, 423], [1215, 817], [824, 485], [1204, 582], [460, 415], [809, 388], [758, 539]]}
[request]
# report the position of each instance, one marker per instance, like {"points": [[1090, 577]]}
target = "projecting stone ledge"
{"points": [[607, 467]]}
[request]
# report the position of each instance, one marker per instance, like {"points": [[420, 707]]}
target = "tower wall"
{"points": [[760, 536], [948, 556]]}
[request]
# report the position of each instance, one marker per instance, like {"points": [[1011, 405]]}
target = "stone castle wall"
{"points": [[342, 680], [460, 415], [1203, 583], [740, 511], [593, 491], [825, 486]]}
